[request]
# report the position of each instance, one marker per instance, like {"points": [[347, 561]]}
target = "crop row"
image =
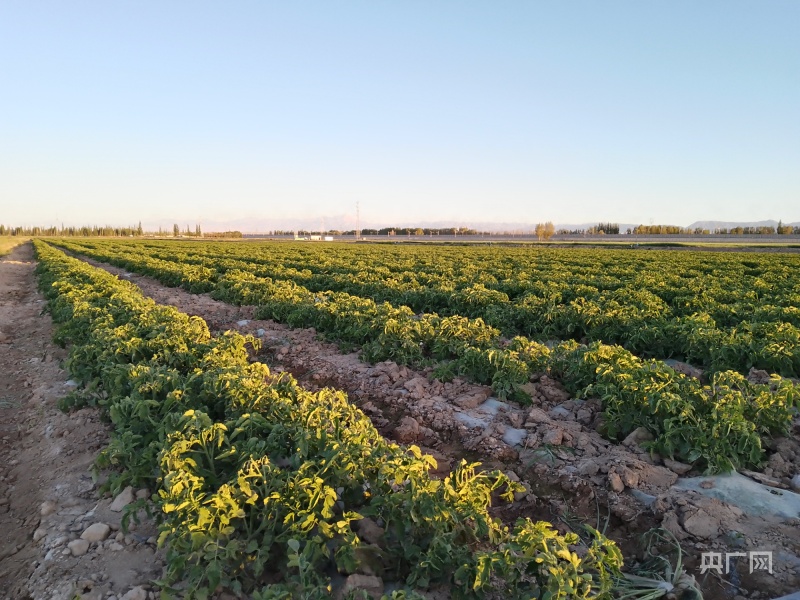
{"points": [[736, 314], [717, 427], [683, 280], [261, 484]]}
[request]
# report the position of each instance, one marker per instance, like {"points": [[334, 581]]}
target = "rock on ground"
{"points": [[122, 500]]}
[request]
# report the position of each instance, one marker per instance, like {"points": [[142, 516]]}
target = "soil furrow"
{"points": [[47, 495]]}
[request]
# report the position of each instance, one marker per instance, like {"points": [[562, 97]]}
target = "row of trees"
{"points": [[389, 231], [198, 232], [407, 231], [604, 229], [664, 230], [109, 231], [613, 229], [176, 231], [781, 229], [85, 231], [543, 231]]}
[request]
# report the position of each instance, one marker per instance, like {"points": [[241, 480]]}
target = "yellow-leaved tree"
{"points": [[544, 231]]}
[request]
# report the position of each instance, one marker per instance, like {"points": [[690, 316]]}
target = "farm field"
{"points": [[8, 243], [462, 314], [590, 384], [719, 311]]}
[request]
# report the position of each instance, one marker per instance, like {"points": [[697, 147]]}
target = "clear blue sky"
{"points": [[670, 111]]}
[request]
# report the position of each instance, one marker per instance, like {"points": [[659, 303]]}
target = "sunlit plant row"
{"points": [[260, 484], [717, 427]]}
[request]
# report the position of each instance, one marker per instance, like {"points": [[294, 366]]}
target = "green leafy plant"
{"points": [[255, 476]]}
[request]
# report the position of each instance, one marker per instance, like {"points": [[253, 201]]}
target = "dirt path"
{"points": [[47, 496]]}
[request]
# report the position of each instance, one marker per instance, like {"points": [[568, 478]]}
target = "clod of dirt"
{"points": [[373, 586], [676, 467]]}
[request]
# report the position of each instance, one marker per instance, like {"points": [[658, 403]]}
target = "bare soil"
{"points": [[571, 473], [47, 494]]}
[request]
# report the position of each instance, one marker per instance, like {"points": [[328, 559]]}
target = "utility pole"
{"points": [[358, 220]]}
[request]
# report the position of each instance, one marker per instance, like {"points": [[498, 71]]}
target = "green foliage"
{"points": [[256, 476], [656, 304], [719, 310]]}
